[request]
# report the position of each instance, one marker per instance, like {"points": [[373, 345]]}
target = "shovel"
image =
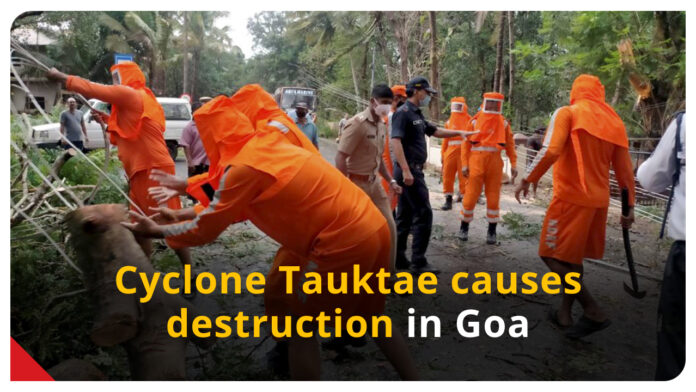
{"points": [[633, 289]]}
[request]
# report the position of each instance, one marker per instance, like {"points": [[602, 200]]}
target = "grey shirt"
{"points": [[72, 122]]}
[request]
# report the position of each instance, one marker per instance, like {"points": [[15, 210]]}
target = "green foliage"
{"points": [[519, 228], [77, 171], [325, 130], [333, 52], [45, 318], [50, 330]]}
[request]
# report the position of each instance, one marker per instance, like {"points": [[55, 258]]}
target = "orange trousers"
{"points": [[139, 184], [451, 168], [371, 254], [485, 172]]}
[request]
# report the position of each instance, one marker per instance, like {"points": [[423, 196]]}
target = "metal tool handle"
{"points": [[627, 242], [624, 202]]}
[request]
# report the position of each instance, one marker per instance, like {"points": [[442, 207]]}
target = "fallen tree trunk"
{"points": [[103, 246]]}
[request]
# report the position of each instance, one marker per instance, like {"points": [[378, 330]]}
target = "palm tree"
{"points": [[148, 41]]}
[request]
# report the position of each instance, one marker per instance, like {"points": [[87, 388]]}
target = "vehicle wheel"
{"points": [[173, 148]]}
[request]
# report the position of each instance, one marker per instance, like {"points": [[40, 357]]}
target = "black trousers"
{"points": [[413, 215], [671, 316], [198, 169], [78, 143]]}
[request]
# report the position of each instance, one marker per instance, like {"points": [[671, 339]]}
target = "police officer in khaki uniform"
{"points": [[359, 155]]}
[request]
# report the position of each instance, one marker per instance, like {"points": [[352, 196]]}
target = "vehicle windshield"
{"points": [[292, 97], [176, 111]]}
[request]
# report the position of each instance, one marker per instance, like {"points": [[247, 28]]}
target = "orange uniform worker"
{"points": [[136, 126], [399, 91], [263, 112], [482, 164], [303, 203], [582, 142], [452, 151]]}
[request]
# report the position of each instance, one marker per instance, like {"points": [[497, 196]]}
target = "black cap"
{"points": [[420, 82], [301, 105]]}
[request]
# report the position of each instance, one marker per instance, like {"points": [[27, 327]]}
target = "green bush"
{"points": [[77, 171], [50, 327], [518, 227], [325, 130]]}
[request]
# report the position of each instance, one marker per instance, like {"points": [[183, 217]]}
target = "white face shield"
{"points": [[457, 107], [116, 76], [494, 106]]}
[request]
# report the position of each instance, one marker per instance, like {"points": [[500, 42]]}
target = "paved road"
{"points": [[181, 168]]}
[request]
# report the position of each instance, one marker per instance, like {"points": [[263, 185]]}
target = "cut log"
{"points": [[103, 246]]}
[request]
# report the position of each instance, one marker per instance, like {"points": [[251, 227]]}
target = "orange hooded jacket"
{"points": [[457, 121], [262, 110], [294, 196], [585, 140], [593, 115], [491, 125], [495, 132], [263, 113], [136, 123]]}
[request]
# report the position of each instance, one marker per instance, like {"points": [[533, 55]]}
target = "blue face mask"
{"points": [[425, 101]]}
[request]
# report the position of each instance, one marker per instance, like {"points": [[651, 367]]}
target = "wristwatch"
{"points": [[393, 181]]}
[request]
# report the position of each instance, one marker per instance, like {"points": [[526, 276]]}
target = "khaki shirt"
{"points": [[362, 140]]}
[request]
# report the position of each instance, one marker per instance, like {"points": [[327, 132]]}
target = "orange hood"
{"points": [[490, 124], [399, 89], [224, 130], [260, 107], [230, 138], [459, 120], [130, 75], [256, 103], [593, 115]]}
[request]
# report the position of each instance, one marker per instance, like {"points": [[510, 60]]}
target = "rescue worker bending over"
{"points": [[303, 203]]}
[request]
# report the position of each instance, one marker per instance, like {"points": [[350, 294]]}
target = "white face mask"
{"points": [[383, 109]]}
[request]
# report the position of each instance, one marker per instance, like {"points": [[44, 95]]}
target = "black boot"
{"points": [[448, 203], [463, 231], [491, 237]]}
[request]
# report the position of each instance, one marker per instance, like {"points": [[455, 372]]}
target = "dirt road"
{"points": [[625, 351]]}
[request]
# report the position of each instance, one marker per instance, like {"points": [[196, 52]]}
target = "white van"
{"points": [[177, 113]]}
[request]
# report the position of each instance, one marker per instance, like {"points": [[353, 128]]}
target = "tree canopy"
{"points": [[532, 57]]}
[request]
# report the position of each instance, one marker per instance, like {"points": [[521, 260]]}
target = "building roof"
{"points": [[27, 36]]}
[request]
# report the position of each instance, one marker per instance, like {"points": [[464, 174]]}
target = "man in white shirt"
{"points": [[665, 167]]}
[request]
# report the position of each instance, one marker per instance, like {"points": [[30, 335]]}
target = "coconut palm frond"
{"points": [[136, 24]]}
